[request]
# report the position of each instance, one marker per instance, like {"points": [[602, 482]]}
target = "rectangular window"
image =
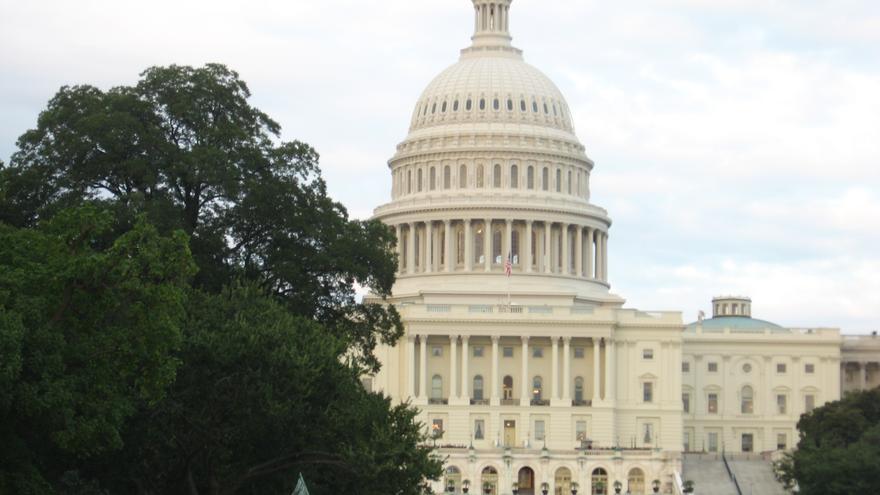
{"points": [[578, 352], [781, 441], [809, 402], [686, 402], [507, 352], [713, 367], [648, 392], [537, 352], [809, 368], [478, 351], [648, 354], [713, 404], [437, 351], [437, 428], [580, 431], [539, 430], [780, 367], [479, 429], [685, 367], [713, 441], [367, 383], [687, 441], [781, 403], [748, 442]]}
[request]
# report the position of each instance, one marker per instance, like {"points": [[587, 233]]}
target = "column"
{"points": [[450, 260], [548, 227], [508, 240], [453, 366], [554, 394], [579, 252], [599, 255], [411, 365], [605, 256], [494, 397], [411, 250], [566, 369], [610, 371], [863, 375], [588, 268], [595, 371], [527, 256], [487, 244], [398, 229], [566, 251], [468, 246], [429, 247], [423, 368], [525, 396], [464, 392]]}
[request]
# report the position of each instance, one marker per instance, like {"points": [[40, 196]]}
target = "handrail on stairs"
{"points": [[730, 473]]}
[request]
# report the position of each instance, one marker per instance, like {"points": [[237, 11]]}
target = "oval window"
{"points": [[495, 104], [468, 105], [482, 103]]}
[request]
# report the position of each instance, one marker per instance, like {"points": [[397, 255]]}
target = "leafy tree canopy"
{"points": [[839, 448]]}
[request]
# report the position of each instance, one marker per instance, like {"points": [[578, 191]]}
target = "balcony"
{"points": [[582, 403], [509, 402], [438, 402], [479, 402], [540, 402]]}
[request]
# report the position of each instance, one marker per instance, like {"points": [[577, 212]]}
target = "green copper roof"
{"points": [[736, 323]]}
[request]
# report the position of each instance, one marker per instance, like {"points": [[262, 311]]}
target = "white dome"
{"points": [[492, 87]]}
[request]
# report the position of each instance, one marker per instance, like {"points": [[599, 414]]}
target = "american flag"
{"points": [[508, 265]]}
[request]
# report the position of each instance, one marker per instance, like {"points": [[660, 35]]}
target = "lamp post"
{"points": [[487, 488], [515, 487], [618, 486], [466, 486], [545, 488], [574, 487], [656, 486]]}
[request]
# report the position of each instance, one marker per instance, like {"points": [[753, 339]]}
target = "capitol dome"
{"points": [[491, 187]]}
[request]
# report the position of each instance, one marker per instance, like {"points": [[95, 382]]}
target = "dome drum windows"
{"points": [[443, 107], [434, 108], [455, 106], [509, 105], [468, 105], [522, 105], [514, 177], [482, 103], [496, 105]]}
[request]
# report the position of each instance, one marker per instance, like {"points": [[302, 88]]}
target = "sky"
{"points": [[736, 141]]}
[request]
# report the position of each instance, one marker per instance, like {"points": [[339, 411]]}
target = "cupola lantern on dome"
{"points": [[491, 26]]}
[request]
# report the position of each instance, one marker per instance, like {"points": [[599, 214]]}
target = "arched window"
{"points": [[514, 177], [437, 387], [579, 390], [507, 387], [546, 111], [522, 105], [569, 182], [479, 237], [482, 103], [478, 387], [558, 180], [537, 388], [462, 176], [496, 176], [468, 105], [434, 108], [447, 177], [545, 179], [562, 485], [535, 106], [453, 480], [599, 482], [496, 247], [748, 400], [480, 180], [455, 106], [408, 181], [488, 478], [419, 181], [530, 177], [514, 247], [443, 107], [496, 105], [509, 105], [433, 178], [636, 482]]}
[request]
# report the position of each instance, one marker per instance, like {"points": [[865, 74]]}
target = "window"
{"points": [[455, 106], [712, 438], [437, 387], [748, 441], [482, 103], [780, 368], [545, 179], [648, 354], [579, 390], [479, 428], [496, 176], [507, 387], [748, 400], [712, 403], [558, 180], [648, 392], [447, 177], [509, 105], [530, 177], [462, 176], [578, 352], [809, 402], [648, 436], [514, 177], [747, 368], [537, 388], [507, 352], [496, 246], [434, 108], [522, 105], [685, 367], [687, 441], [478, 387], [537, 352], [468, 105], [809, 368], [478, 351], [781, 441], [437, 428], [433, 178], [443, 107], [580, 431], [686, 402], [496, 105], [781, 403], [535, 106], [539, 430], [367, 383], [419, 182], [568, 181], [713, 367], [437, 351]]}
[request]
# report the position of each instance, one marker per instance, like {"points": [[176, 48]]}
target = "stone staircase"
{"points": [[708, 473], [753, 474]]}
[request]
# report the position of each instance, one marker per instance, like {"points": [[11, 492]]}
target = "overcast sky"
{"points": [[736, 141]]}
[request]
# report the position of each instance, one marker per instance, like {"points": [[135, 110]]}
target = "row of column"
{"points": [[462, 393], [431, 252], [863, 374], [491, 17]]}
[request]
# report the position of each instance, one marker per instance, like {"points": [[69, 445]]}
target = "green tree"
{"points": [[87, 329], [839, 448]]}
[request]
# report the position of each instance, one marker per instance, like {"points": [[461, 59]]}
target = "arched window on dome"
{"points": [[546, 111], [462, 177], [419, 181], [443, 107], [455, 106], [468, 105], [535, 106], [514, 247], [479, 248], [569, 182], [480, 176], [434, 108], [496, 247], [496, 176], [558, 180], [514, 177], [509, 105], [530, 177], [545, 179], [522, 105], [433, 178], [447, 177], [409, 181], [482, 103], [554, 110], [496, 105]]}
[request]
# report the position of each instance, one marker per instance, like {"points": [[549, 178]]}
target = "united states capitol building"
{"points": [[541, 375]]}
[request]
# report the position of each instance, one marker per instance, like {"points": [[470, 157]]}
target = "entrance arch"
{"points": [[636, 481], [562, 482], [599, 482], [488, 478], [526, 480]]}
